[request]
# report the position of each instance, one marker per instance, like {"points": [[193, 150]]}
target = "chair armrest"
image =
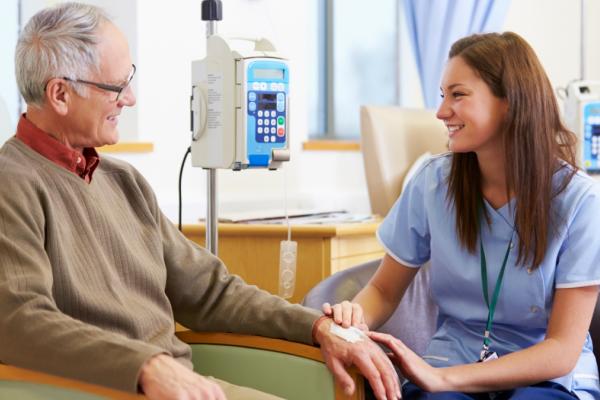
{"points": [[253, 342], [274, 345], [28, 384]]}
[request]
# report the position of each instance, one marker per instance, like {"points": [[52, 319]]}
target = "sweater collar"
{"points": [[82, 164]]}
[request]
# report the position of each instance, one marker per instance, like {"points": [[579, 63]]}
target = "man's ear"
{"points": [[58, 96]]}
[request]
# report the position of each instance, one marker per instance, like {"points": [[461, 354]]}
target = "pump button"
{"points": [[280, 121], [252, 106], [252, 96], [280, 132]]}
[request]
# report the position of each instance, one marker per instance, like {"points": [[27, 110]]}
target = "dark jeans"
{"points": [[541, 391]]}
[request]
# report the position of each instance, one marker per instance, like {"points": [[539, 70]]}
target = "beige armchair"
{"points": [[392, 139]]}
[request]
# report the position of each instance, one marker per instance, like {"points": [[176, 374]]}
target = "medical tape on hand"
{"points": [[352, 334]]}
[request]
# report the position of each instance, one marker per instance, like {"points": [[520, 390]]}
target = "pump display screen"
{"points": [[268, 73], [267, 97], [267, 101]]}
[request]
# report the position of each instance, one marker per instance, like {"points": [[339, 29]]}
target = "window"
{"points": [[356, 52]]}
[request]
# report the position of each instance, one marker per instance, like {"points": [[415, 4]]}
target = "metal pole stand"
{"points": [[212, 11]]}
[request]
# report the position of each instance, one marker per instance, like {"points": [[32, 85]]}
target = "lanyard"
{"points": [[492, 305]]}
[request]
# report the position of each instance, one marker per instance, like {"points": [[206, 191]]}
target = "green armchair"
{"points": [[286, 369]]}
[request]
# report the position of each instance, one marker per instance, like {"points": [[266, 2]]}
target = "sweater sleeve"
{"points": [[34, 333], [205, 297]]}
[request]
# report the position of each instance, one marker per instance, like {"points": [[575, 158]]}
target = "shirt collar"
{"points": [[82, 164]]}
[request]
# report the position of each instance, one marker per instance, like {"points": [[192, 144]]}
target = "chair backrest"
{"points": [[414, 320], [392, 139]]}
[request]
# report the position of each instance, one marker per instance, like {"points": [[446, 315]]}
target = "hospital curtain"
{"points": [[434, 25]]}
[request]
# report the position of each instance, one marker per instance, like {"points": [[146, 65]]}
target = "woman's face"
{"points": [[472, 114]]}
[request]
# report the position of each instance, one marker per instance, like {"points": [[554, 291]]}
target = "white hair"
{"points": [[57, 42]]}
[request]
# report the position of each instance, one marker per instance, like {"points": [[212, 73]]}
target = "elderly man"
{"points": [[92, 274]]}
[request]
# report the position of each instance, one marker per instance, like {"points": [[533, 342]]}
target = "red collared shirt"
{"points": [[83, 165]]}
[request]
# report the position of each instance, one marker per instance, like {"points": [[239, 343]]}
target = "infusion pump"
{"points": [[582, 116], [240, 106]]}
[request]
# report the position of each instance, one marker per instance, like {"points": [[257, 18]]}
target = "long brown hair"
{"points": [[535, 141]]}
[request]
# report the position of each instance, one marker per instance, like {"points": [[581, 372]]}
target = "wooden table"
{"points": [[252, 251]]}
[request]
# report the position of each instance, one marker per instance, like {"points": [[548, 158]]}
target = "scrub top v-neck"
{"points": [[421, 227]]}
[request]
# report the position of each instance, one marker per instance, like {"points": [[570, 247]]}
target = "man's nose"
{"points": [[128, 97]]}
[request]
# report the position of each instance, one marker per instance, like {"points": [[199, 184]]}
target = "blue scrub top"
{"points": [[420, 227]]}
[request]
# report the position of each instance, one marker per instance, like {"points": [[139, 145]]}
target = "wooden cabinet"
{"points": [[252, 251]]}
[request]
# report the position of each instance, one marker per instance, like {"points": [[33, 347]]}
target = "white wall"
{"points": [[169, 39], [553, 30], [9, 27], [170, 35]]}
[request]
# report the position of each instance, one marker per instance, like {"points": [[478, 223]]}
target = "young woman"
{"points": [[511, 230]]}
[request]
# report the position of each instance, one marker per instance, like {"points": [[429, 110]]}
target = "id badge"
{"points": [[487, 355]]}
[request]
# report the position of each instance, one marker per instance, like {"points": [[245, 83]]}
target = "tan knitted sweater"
{"points": [[92, 276]]}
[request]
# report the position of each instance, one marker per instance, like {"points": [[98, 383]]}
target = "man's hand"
{"points": [[365, 355], [164, 378]]}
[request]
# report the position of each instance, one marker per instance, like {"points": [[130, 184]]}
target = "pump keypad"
{"points": [[592, 134], [266, 102]]}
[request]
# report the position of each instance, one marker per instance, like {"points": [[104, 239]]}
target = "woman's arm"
{"points": [[376, 302], [555, 356]]}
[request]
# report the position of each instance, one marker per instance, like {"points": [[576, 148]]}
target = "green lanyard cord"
{"points": [[484, 283]]}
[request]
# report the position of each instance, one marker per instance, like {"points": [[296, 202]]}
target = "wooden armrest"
{"points": [[277, 345], [253, 342], [10, 373]]}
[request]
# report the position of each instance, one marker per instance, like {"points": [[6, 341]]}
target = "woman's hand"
{"points": [[346, 314], [413, 367]]}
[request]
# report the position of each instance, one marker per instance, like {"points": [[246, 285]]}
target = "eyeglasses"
{"points": [[119, 90]]}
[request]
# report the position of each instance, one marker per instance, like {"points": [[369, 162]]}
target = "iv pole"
{"points": [[212, 11]]}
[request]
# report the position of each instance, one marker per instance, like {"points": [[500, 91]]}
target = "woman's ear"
{"points": [[58, 96]]}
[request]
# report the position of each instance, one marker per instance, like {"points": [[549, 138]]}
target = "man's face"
{"points": [[92, 120]]}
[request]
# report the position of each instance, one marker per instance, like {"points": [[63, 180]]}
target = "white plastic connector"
{"points": [[287, 268]]}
